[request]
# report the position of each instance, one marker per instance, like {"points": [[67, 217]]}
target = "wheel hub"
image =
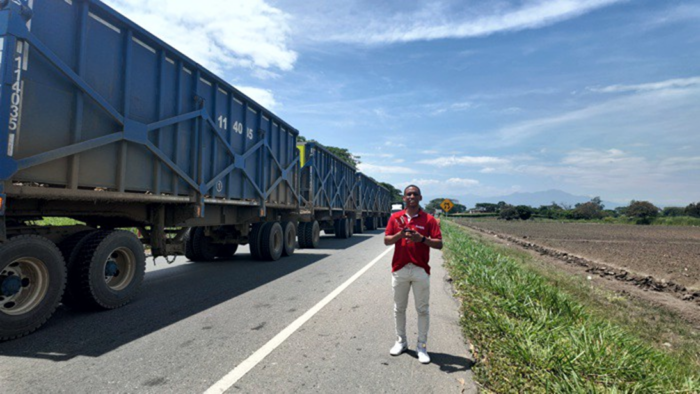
{"points": [[111, 268], [10, 285]]}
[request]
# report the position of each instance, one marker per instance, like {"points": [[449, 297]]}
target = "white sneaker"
{"points": [[398, 348], [422, 353]]}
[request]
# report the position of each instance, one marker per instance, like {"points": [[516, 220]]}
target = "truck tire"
{"points": [[336, 228], [202, 247], [112, 266], [32, 279], [312, 232], [342, 228], [290, 238], [255, 239], [226, 251], [301, 234], [70, 249], [189, 248], [358, 226], [351, 227], [272, 242], [368, 224]]}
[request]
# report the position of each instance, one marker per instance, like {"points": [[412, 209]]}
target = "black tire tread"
{"points": [[86, 293], [288, 250], [199, 253], [47, 316]]}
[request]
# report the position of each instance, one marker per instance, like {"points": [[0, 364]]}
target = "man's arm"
{"points": [[435, 243], [392, 239]]}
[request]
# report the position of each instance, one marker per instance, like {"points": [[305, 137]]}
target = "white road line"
{"points": [[243, 368]]}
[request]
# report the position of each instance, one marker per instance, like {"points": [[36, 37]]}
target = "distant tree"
{"points": [[396, 194], [597, 201], [610, 213], [524, 212], [643, 211], [509, 212], [458, 208], [301, 138], [621, 211], [588, 210], [673, 211], [553, 211], [501, 205], [487, 207], [345, 155], [693, 210]]}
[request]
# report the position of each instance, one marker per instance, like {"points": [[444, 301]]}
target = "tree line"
{"points": [[643, 212]]}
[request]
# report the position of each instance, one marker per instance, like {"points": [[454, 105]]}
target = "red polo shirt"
{"points": [[406, 251]]}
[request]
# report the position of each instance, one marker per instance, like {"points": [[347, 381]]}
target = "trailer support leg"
{"points": [[158, 235]]}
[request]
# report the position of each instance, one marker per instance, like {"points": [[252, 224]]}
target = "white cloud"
{"points": [[437, 21], [668, 84], [654, 110], [463, 161], [455, 107], [219, 34], [452, 185], [460, 182], [380, 169], [263, 97]]}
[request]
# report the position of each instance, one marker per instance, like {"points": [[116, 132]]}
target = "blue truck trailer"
{"points": [[104, 123], [373, 204], [328, 195]]}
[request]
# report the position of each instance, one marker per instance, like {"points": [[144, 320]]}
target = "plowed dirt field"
{"points": [[666, 253]]}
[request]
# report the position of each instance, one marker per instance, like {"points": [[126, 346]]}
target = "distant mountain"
{"points": [[535, 199]]}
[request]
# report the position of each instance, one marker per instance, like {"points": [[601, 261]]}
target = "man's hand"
{"points": [[414, 236]]}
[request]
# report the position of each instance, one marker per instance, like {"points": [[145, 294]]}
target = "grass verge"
{"points": [[531, 335]]}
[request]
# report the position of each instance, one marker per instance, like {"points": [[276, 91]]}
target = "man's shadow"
{"points": [[448, 363]]}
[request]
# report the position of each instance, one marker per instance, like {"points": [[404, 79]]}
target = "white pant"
{"points": [[411, 276]]}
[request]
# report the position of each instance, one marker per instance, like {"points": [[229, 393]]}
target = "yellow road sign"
{"points": [[447, 205]]}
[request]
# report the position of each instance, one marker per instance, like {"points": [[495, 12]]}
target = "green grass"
{"points": [[532, 336], [53, 221]]}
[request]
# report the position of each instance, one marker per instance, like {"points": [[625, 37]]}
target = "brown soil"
{"points": [[651, 262]]}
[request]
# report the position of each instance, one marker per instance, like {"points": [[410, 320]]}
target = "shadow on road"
{"points": [[447, 362], [330, 242], [168, 296]]}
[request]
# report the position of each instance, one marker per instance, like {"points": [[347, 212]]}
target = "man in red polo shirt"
{"points": [[412, 232]]}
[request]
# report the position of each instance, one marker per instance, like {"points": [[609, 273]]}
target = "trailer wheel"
{"points": [[70, 249], [336, 228], [341, 228], [202, 247], [301, 234], [313, 234], [371, 223], [290, 238], [226, 251], [272, 242], [358, 226], [189, 247], [112, 266], [32, 279], [255, 239]]}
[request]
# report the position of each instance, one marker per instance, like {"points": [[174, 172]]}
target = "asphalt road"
{"points": [[196, 322]]}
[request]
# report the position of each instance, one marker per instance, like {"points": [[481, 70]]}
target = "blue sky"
{"points": [[485, 98]]}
